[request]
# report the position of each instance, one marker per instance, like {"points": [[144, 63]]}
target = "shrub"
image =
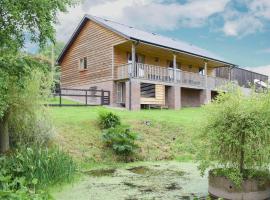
{"points": [[39, 167], [108, 120], [121, 139], [237, 135]]}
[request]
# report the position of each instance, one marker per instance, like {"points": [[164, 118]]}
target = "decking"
{"points": [[158, 74]]}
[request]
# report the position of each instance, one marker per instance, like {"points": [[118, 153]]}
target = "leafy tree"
{"points": [[46, 54], [18, 18], [237, 134], [46, 51]]}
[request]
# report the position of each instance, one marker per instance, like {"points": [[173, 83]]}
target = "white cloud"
{"points": [[147, 14], [239, 24], [156, 15], [242, 25], [260, 8]]}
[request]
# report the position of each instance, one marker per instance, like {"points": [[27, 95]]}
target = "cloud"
{"points": [[242, 25], [146, 14], [260, 8], [156, 15]]}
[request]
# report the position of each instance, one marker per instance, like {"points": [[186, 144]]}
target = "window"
{"points": [[148, 90], [83, 63], [170, 64], [120, 92], [201, 71], [139, 58]]}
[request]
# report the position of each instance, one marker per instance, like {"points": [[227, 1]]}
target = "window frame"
{"points": [[83, 64]]}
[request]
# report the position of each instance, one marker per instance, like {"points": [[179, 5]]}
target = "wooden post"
{"points": [[133, 57], [60, 97], [174, 67], [85, 97], [205, 72], [102, 97]]}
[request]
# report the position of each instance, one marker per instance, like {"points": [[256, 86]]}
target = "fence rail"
{"points": [[80, 97]]}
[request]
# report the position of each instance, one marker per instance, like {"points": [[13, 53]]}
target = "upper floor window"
{"points": [[139, 58], [170, 64], [201, 71], [83, 63]]}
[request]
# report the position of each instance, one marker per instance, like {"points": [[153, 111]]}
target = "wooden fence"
{"points": [[81, 97]]}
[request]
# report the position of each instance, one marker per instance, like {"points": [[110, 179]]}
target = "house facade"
{"points": [[141, 69]]}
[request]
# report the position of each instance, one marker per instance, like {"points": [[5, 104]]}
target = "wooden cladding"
{"points": [[159, 98], [243, 77], [95, 43]]}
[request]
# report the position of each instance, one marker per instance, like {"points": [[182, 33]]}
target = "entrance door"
{"points": [[120, 92]]}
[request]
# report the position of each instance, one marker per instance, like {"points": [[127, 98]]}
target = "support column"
{"points": [[205, 96], [133, 58], [206, 74], [133, 94], [174, 97], [174, 67]]}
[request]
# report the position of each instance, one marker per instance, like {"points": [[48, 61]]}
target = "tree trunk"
{"points": [[4, 134], [242, 156]]}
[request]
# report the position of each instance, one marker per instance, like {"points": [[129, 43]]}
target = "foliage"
{"points": [[35, 168], [237, 131], [19, 20], [121, 139], [108, 120], [46, 53], [30, 122], [31, 19], [16, 189], [15, 72]]}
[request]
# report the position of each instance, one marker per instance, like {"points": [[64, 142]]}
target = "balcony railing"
{"points": [[169, 75]]}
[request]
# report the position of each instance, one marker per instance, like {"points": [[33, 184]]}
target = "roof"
{"points": [[132, 33]]}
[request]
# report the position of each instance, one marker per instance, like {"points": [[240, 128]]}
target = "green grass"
{"points": [[56, 100], [171, 134]]}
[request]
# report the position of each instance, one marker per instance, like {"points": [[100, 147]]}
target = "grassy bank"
{"points": [[164, 134]]}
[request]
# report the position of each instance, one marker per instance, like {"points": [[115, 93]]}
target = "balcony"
{"points": [[168, 75]]}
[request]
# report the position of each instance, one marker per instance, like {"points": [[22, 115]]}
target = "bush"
{"points": [[108, 120], [237, 131], [29, 170], [121, 139]]}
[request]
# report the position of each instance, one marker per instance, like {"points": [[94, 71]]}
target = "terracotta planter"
{"points": [[221, 187]]}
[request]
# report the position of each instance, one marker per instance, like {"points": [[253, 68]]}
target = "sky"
{"points": [[236, 30]]}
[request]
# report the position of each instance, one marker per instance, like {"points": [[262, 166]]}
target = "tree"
{"points": [[50, 52], [34, 18], [237, 134], [46, 51]]}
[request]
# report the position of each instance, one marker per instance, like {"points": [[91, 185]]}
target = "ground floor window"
{"points": [[148, 90]]}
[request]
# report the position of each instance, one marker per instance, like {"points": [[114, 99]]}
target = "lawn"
{"points": [[167, 135]]}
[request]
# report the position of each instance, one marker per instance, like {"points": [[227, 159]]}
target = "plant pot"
{"points": [[251, 189]]}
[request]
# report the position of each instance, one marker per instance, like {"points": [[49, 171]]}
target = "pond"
{"points": [[156, 180]]}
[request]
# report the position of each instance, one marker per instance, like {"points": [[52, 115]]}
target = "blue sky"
{"points": [[237, 30]]}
